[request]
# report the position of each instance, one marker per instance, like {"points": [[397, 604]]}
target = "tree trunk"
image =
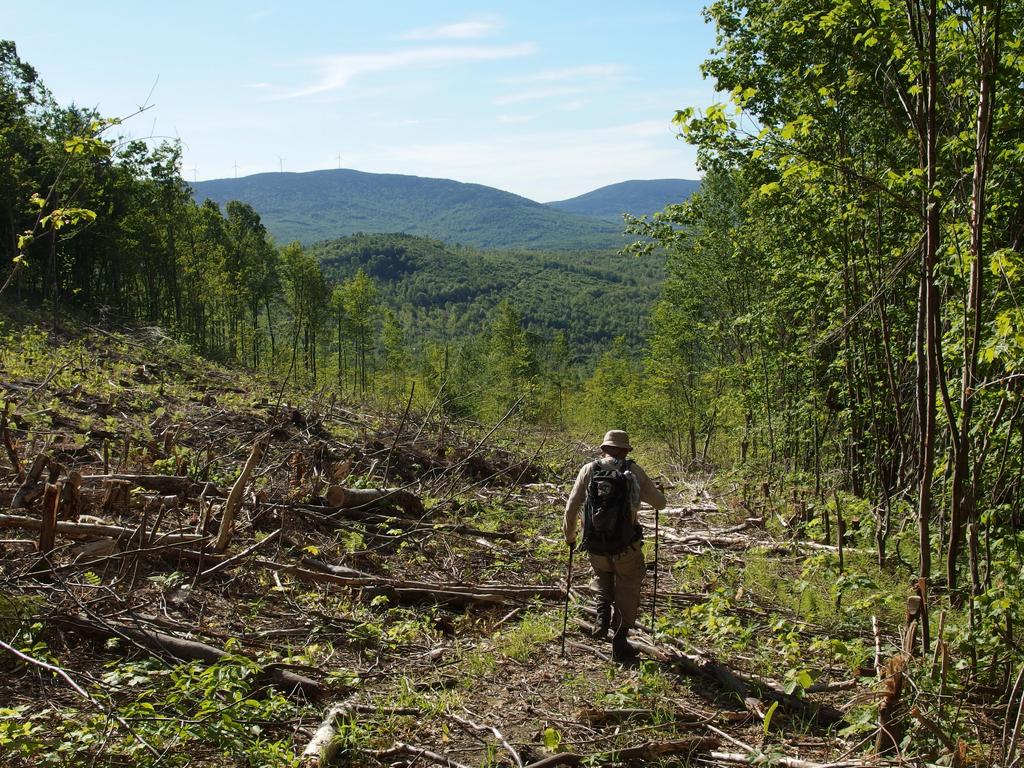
{"points": [[928, 308], [962, 511]]}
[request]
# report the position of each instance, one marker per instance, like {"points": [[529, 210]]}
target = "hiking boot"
{"points": [[604, 622], [622, 651]]}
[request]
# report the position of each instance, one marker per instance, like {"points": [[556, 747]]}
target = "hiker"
{"points": [[609, 491]]}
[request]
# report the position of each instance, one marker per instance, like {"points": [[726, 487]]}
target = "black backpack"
{"points": [[608, 527]]}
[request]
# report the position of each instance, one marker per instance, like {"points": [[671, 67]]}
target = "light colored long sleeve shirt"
{"points": [[648, 493]]}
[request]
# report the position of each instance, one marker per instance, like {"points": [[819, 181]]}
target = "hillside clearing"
{"points": [[427, 636]]}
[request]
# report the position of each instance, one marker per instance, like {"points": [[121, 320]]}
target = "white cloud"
{"points": [[590, 71], [573, 106], [558, 83], [336, 72], [515, 119], [257, 86], [538, 94], [408, 122], [469, 29]]}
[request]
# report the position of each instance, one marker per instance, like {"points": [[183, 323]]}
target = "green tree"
{"points": [[510, 364], [361, 302], [395, 354]]}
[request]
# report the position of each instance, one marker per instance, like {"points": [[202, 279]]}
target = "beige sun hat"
{"points": [[617, 439]]}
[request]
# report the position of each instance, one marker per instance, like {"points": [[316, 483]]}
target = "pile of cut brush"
{"points": [[199, 568], [158, 515]]}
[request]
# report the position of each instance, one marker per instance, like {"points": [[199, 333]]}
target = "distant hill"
{"points": [[321, 205], [441, 291], [638, 198]]}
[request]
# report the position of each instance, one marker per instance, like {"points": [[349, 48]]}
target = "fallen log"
{"points": [[330, 515], [375, 498], [749, 691], [359, 578], [337, 570], [90, 530], [166, 485], [370, 588], [324, 747], [188, 650]]}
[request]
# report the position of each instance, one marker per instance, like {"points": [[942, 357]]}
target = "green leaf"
{"points": [[682, 116], [63, 217], [552, 738], [769, 189], [768, 716], [86, 145]]}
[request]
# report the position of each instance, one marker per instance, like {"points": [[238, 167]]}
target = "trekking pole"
{"points": [[654, 597], [568, 584]]}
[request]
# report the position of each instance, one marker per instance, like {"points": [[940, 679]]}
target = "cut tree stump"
{"points": [[234, 501], [116, 496], [70, 498], [29, 490], [48, 522]]}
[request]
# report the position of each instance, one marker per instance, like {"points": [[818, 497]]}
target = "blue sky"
{"points": [[545, 99]]}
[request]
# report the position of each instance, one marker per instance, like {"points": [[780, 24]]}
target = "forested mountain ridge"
{"points": [[636, 197], [320, 205], [443, 291]]}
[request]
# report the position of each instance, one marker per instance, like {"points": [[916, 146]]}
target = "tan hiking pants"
{"points": [[617, 579]]}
